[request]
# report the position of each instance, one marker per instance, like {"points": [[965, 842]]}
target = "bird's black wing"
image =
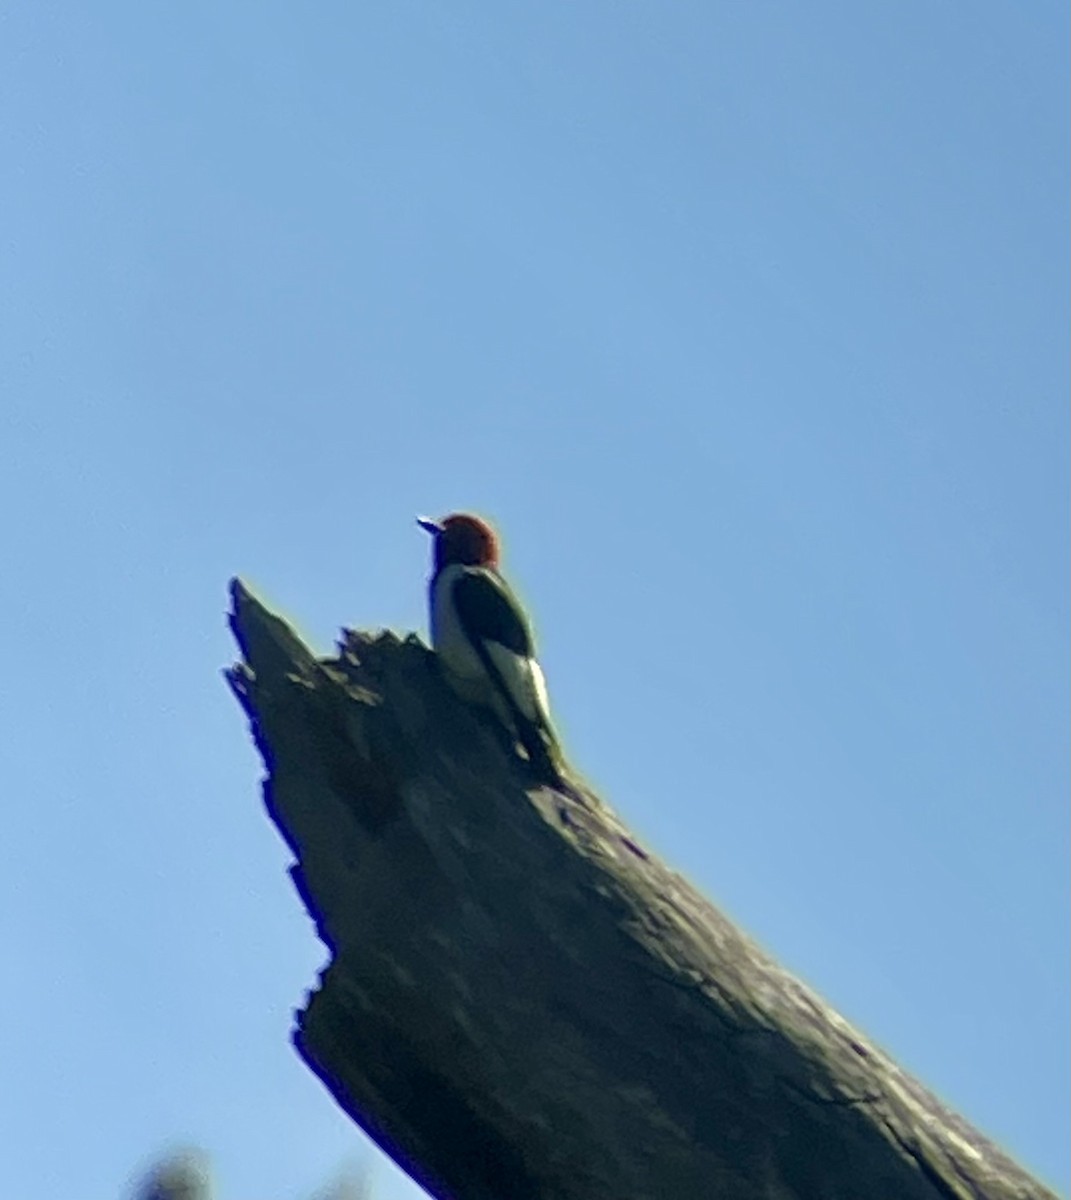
{"points": [[488, 612]]}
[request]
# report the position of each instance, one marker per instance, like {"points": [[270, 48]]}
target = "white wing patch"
{"points": [[525, 682], [539, 686]]}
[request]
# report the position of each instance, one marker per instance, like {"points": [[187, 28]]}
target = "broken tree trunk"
{"points": [[522, 1003]]}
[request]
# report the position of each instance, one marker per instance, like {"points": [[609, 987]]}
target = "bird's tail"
{"points": [[538, 739], [542, 749]]}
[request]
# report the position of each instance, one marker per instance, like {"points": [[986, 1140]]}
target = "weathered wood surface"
{"points": [[523, 1003]]}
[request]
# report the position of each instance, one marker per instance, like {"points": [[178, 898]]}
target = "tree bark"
{"points": [[522, 1002]]}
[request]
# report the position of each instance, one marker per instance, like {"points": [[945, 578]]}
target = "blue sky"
{"points": [[747, 325]]}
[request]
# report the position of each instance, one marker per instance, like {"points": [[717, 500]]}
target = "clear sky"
{"points": [[746, 322]]}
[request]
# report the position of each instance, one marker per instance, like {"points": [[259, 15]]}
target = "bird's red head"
{"points": [[462, 538]]}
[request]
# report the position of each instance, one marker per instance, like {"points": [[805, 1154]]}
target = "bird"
{"points": [[483, 638]]}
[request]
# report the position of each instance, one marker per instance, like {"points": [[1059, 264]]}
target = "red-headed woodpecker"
{"points": [[482, 636]]}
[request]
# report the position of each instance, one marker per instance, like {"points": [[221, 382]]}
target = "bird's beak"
{"points": [[432, 527]]}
